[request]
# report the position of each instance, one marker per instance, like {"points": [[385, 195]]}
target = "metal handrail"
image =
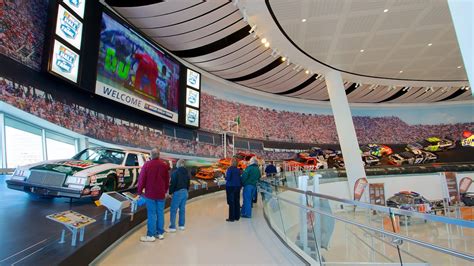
{"points": [[381, 231], [388, 210]]}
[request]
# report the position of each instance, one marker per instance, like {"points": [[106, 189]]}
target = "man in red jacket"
{"points": [[155, 179]]}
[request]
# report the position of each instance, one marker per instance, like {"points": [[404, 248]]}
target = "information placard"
{"points": [[192, 117], [65, 62], [192, 97], [69, 27]]}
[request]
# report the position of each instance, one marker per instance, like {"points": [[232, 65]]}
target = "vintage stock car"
{"points": [[87, 174]]}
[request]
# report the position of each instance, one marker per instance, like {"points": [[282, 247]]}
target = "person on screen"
{"points": [[147, 68], [155, 179], [163, 85]]}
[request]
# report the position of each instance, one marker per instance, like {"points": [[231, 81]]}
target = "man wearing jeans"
{"points": [[250, 177], [179, 186], [155, 179]]}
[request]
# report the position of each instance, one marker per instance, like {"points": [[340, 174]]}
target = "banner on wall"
{"points": [[464, 184], [359, 187]]}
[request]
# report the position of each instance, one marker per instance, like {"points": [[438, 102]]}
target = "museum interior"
{"points": [[279, 132]]}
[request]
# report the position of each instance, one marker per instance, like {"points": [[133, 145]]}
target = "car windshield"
{"points": [[101, 156]]}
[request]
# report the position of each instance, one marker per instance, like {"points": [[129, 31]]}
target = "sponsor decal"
{"points": [[79, 164], [95, 190]]}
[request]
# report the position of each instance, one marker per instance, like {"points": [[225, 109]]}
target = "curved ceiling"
{"points": [[214, 36], [403, 39]]}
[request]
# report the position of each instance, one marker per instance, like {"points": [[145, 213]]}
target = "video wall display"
{"points": [[64, 57], [133, 71]]}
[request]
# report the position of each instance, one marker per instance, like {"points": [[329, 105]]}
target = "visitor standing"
{"points": [[270, 170], [154, 178], [180, 180], [250, 177], [232, 188]]}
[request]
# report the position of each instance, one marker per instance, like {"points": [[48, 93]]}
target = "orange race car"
{"points": [[220, 167], [304, 162]]}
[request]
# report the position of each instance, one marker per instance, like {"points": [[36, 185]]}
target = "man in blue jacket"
{"points": [[250, 177], [179, 186]]}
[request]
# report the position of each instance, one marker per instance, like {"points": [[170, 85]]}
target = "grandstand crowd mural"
{"points": [[395, 126], [22, 30]]}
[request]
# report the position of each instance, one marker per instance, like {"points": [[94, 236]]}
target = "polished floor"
{"points": [[208, 239]]}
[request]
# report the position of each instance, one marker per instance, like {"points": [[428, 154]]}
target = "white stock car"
{"points": [[87, 174]]}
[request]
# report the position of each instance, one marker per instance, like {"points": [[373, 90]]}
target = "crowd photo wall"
{"points": [[24, 86]]}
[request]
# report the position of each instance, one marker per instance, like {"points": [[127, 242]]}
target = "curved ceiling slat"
{"points": [[214, 36]]}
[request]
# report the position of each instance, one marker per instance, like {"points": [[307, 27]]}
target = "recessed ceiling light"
{"points": [[385, 10], [283, 59], [401, 71], [306, 72], [267, 44], [459, 66], [429, 44], [362, 50], [264, 40], [303, 20]]}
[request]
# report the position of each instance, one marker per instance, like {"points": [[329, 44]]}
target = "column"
{"points": [[463, 20], [345, 128], [3, 148]]}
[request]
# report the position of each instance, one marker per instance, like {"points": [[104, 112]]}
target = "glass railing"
{"points": [[326, 230]]}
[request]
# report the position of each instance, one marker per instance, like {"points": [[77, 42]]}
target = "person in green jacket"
{"points": [[250, 177]]}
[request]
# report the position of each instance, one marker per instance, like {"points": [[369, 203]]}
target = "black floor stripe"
{"points": [[215, 46], [182, 33], [259, 72], [192, 18], [246, 61], [299, 87], [164, 14], [454, 95], [395, 96]]}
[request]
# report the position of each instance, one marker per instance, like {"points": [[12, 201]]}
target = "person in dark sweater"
{"points": [[232, 189], [250, 177], [180, 180], [154, 178], [270, 170]]}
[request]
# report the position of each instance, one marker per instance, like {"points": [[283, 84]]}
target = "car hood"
{"points": [[69, 167]]}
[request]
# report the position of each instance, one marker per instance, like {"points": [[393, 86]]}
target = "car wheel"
{"points": [[110, 184]]}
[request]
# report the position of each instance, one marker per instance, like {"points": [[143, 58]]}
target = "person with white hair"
{"points": [[155, 179], [250, 177], [180, 181]]}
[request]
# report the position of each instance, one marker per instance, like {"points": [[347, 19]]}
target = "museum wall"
{"points": [[24, 86]]}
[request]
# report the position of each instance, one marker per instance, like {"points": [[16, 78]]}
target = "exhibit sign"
{"points": [[71, 218], [192, 117], [78, 6], [65, 62], [193, 79], [68, 27], [135, 72], [192, 97], [359, 188]]}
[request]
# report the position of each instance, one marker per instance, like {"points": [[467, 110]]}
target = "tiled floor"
{"points": [[208, 239]]}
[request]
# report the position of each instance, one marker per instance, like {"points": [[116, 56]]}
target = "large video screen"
{"points": [[135, 72]]}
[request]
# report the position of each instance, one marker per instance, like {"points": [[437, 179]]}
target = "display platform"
{"points": [[28, 237]]}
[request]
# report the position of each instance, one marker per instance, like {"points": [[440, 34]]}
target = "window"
{"points": [[101, 156], [132, 160], [23, 143], [59, 146]]}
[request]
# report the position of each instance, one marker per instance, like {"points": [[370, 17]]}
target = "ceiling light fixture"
{"points": [[264, 40], [429, 44], [385, 10], [401, 71], [267, 44], [362, 50], [254, 27], [459, 66], [303, 20], [283, 59], [306, 72]]}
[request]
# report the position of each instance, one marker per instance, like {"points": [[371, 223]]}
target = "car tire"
{"points": [[110, 184]]}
